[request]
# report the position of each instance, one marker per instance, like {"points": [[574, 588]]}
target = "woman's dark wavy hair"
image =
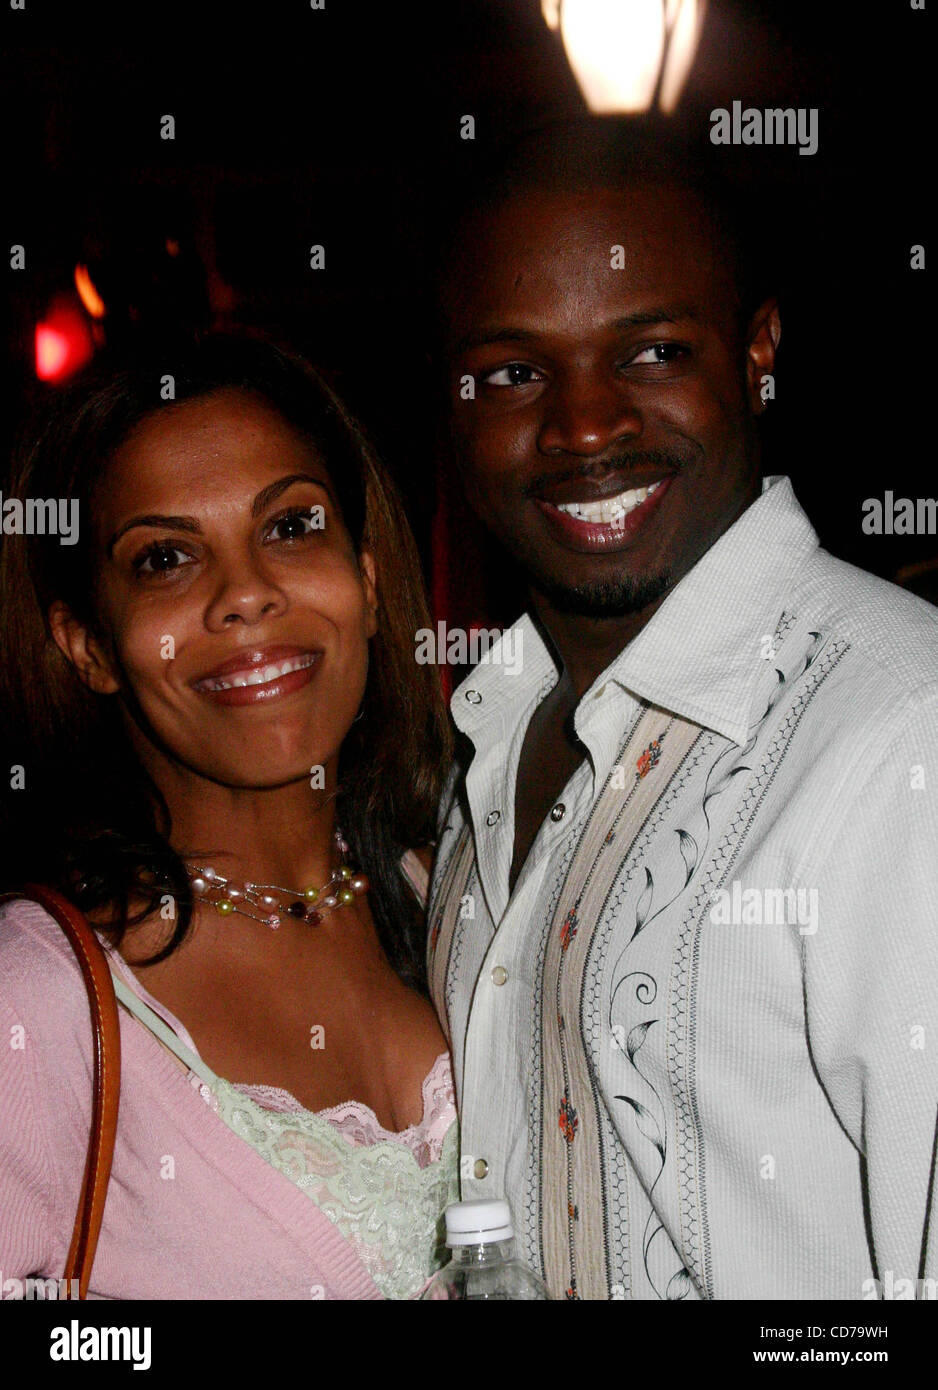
{"points": [[88, 819]]}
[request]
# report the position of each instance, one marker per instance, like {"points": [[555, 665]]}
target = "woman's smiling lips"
{"points": [[256, 675]]}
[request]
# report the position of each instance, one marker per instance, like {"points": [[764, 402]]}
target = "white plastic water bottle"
{"points": [[481, 1236]]}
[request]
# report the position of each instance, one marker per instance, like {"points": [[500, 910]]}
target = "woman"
{"points": [[222, 729]]}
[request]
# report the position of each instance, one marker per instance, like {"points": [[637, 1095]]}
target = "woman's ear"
{"points": [[78, 644], [366, 563]]}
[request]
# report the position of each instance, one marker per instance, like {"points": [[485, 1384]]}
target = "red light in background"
{"points": [[52, 352], [63, 342]]}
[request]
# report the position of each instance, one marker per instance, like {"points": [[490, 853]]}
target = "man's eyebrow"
{"points": [[672, 313], [191, 526], [484, 336]]}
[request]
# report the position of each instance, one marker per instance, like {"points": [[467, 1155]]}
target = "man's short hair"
{"points": [[608, 152]]}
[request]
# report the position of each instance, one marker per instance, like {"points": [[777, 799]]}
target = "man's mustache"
{"points": [[668, 460]]}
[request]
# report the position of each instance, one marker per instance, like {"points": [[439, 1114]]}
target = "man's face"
{"points": [[602, 337]]}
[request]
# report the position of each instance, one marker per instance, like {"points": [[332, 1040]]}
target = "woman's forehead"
{"points": [[228, 439], [232, 417]]}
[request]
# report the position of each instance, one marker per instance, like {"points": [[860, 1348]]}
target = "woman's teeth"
{"points": [[609, 510], [260, 675]]}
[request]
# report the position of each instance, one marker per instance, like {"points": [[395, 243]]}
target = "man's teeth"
{"points": [[609, 510], [260, 675]]}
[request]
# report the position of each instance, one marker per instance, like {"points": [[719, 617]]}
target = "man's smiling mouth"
{"points": [[608, 510], [597, 525]]}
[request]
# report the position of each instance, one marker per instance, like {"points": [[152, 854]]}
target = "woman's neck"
{"points": [[281, 835]]}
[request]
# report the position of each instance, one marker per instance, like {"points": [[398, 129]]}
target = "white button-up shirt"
{"points": [[697, 1046]]}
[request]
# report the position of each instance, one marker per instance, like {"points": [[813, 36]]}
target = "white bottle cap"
{"points": [[478, 1222]]}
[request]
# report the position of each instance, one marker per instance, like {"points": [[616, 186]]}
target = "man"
{"points": [[684, 914]]}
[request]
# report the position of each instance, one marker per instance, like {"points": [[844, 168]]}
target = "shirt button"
{"points": [[499, 975], [492, 817], [558, 812], [480, 1168], [473, 697]]}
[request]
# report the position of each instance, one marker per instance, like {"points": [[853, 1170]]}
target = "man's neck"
{"points": [[584, 646]]}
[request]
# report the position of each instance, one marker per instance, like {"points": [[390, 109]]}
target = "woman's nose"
{"points": [[245, 594]]}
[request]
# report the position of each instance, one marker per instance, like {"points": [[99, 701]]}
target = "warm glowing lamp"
{"points": [[628, 55], [87, 293], [62, 342]]}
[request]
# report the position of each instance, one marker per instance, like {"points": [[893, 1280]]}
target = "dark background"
{"points": [[341, 127]]}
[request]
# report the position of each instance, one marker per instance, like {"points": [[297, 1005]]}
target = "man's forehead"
{"points": [[636, 249], [549, 221]]}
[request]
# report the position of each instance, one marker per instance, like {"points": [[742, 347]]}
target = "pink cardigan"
{"points": [[226, 1225]]}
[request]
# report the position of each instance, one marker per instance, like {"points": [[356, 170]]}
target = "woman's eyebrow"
{"points": [[168, 523], [191, 526], [273, 490]]}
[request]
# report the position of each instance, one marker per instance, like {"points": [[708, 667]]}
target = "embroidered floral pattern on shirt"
{"points": [[650, 758], [569, 1122]]}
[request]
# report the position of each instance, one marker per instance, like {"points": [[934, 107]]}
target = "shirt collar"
{"points": [[699, 656], [514, 675]]}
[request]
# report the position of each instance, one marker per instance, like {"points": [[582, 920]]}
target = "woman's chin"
{"points": [[260, 771]]}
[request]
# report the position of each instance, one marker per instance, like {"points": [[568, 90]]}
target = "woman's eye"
{"points": [[659, 354], [297, 524], [160, 559], [514, 374]]}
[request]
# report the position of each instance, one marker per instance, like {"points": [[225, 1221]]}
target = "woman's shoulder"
{"points": [[46, 1061], [39, 974]]}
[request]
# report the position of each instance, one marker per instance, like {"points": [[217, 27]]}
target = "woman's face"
{"points": [[234, 610]]}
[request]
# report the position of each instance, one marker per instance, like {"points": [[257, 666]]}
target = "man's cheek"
{"points": [[497, 463], [482, 496], [714, 409]]}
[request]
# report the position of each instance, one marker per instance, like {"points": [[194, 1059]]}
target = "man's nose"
{"points": [[586, 414]]}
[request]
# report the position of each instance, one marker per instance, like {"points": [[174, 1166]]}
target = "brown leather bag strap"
{"points": [[107, 1065]]}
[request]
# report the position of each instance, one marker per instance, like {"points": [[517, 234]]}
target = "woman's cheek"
{"points": [[146, 652]]}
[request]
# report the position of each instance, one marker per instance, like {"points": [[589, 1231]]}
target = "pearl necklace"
{"points": [[228, 895]]}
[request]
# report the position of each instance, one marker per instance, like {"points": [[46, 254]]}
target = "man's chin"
{"points": [[607, 598]]}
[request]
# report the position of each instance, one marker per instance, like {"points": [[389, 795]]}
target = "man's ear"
{"points": [[366, 563], [79, 645], [765, 329]]}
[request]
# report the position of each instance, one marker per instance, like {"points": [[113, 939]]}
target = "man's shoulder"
{"points": [[891, 633]]}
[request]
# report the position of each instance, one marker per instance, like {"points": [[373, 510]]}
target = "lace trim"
{"points": [[386, 1198], [359, 1124]]}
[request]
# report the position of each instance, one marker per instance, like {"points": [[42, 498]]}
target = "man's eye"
{"points": [[160, 559], [296, 525], [514, 374], [659, 354]]}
